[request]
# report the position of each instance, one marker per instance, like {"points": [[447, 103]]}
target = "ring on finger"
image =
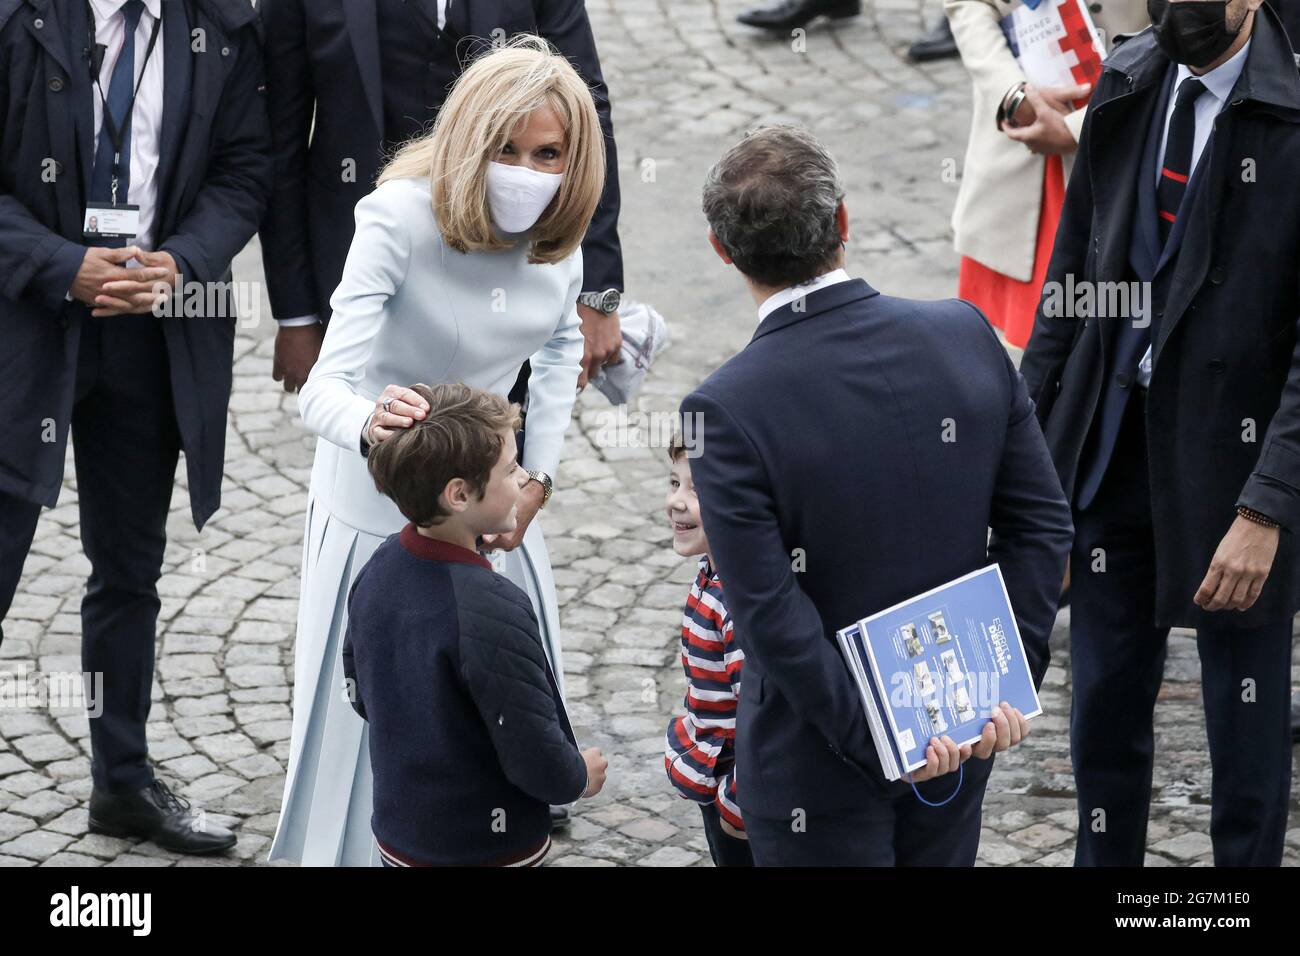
{"points": [[386, 405]]}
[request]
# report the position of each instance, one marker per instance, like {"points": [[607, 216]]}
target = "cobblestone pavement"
{"points": [[686, 81]]}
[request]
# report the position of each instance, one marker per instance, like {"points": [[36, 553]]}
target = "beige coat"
{"points": [[995, 221]]}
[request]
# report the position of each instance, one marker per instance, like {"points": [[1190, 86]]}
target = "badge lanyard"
{"points": [[116, 134]]}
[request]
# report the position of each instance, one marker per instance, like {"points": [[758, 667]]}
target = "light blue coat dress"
{"points": [[409, 309]]}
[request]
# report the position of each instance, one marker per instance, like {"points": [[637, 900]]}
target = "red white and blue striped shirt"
{"points": [[699, 752]]}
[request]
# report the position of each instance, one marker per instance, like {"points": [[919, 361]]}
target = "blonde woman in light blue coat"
{"points": [[466, 263]]}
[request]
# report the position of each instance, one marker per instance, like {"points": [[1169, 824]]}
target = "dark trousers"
{"points": [[1117, 661], [724, 848], [897, 830], [125, 443]]}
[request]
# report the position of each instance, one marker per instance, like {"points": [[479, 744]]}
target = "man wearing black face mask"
{"points": [[1172, 410]]}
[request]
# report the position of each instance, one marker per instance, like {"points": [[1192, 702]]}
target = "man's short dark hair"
{"points": [[460, 437], [771, 201]]}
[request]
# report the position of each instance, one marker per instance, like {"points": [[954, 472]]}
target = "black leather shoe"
{"points": [[938, 44], [157, 814], [1295, 718], [559, 818], [789, 14]]}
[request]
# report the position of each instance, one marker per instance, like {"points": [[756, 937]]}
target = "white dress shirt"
{"points": [[313, 319], [146, 117], [790, 293], [1218, 87]]}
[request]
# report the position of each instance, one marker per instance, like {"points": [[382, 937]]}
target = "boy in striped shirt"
{"points": [[700, 748]]}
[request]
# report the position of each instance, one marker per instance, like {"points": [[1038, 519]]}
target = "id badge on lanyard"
{"points": [[114, 219], [105, 221]]}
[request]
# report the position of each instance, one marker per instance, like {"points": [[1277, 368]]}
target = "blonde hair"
{"points": [[491, 97]]}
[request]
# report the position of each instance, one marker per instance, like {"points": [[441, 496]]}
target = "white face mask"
{"points": [[517, 196]]}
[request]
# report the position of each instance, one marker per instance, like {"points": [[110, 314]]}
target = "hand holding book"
{"points": [[1006, 728], [942, 756], [1045, 132], [938, 673]]}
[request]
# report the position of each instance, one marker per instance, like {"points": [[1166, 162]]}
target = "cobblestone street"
{"points": [[686, 81]]}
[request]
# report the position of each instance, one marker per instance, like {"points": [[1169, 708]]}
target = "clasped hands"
{"points": [[1040, 118], [104, 283]]}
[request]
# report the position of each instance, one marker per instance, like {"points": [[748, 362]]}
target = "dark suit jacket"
{"points": [[1223, 410], [823, 446], [324, 56], [214, 178]]}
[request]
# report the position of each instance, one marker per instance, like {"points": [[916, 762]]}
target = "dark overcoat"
{"points": [[214, 179], [1223, 409]]}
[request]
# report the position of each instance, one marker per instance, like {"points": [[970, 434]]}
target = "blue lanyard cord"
{"points": [[961, 772]]}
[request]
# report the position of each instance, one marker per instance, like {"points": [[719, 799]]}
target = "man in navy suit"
{"points": [[856, 453], [154, 106]]}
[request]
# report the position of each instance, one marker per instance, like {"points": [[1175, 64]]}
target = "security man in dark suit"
{"points": [[1165, 366], [350, 80], [148, 117]]}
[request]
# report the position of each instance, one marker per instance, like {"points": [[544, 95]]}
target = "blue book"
{"points": [[937, 664]]}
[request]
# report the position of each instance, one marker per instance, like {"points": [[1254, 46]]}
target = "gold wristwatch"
{"points": [[544, 480]]}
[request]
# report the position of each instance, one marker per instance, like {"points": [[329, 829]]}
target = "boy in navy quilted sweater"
{"points": [[469, 741]]}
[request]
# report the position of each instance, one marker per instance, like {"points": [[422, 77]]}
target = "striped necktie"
{"points": [[1178, 156]]}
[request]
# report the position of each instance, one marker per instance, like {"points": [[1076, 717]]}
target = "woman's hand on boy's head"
{"points": [[530, 502], [404, 408]]}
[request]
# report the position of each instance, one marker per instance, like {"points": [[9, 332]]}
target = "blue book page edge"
{"points": [[851, 643]]}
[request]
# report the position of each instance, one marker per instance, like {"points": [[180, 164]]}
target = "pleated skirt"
{"points": [[326, 808]]}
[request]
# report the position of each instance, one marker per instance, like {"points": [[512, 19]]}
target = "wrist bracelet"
{"points": [[1008, 105], [1250, 514]]}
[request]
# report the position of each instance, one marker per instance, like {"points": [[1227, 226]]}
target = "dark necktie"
{"points": [[120, 90], [1178, 156]]}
